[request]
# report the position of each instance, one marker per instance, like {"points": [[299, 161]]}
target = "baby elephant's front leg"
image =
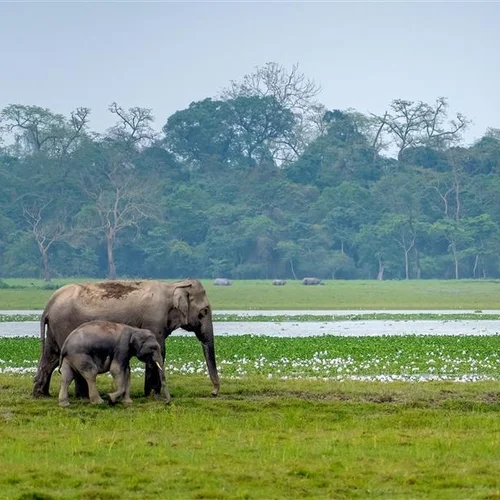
{"points": [[121, 376]]}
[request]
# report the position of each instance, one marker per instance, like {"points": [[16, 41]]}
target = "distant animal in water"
{"points": [[279, 282], [222, 282], [103, 346], [312, 281]]}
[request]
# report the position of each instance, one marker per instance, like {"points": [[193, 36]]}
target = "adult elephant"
{"points": [[155, 305]]}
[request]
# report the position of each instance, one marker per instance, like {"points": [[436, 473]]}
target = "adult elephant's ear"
{"points": [[181, 302]]}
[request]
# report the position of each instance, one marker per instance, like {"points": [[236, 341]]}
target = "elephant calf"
{"points": [[101, 346]]}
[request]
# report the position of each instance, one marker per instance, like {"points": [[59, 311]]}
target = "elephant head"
{"points": [[147, 349], [194, 314]]}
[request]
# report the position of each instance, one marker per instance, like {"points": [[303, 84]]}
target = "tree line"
{"points": [[260, 181]]}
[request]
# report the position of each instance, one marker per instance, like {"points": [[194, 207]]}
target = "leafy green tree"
{"points": [[341, 154], [214, 135], [45, 143], [293, 92]]}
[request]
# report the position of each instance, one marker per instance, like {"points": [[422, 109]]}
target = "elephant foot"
{"points": [[111, 397], [64, 403], [97, 401], [81, 395], [40, 389], [37, 394], [127, 402]]}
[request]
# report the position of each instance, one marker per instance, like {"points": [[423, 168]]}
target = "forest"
{"points": [[261, 181]]}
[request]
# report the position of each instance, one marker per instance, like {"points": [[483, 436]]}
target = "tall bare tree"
{"points": [[134, 126], [292, 90], [46, 229], [119, 198], [37, 129], [122, 201], [412, 124]]}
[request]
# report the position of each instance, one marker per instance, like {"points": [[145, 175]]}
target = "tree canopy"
{"points": [[260, 181]]}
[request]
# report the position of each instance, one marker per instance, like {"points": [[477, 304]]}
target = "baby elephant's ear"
{"points": [[135, 340], [181, 302]]}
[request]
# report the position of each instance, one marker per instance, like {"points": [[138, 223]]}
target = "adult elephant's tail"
{"points": [[43, 321]]}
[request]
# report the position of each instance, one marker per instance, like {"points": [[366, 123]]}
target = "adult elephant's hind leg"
{"points": [[47, 364]]}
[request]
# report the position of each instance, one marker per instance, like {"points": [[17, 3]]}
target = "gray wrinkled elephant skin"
{"points": [[102, 346], [155, 305]]}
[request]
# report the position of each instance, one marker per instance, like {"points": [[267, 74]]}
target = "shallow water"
{"points": [[302, 312], [314, 328]]}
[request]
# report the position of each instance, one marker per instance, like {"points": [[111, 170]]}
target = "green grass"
{"points": [[261, 439], [255, 294]]}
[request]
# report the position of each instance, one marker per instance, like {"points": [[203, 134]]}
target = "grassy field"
{"points": [[261, 439], [316, 418], [254, 294], [296, 418]]}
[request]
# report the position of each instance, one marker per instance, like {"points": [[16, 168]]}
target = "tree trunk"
{"points": [[455, 258], [380, 274], [407, 271], [417, 263], [474, 269], [111, 258], [45, 264]]}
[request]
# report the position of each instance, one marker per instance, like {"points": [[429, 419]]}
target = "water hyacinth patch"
{"points": [[19, 317], [409, 358]]}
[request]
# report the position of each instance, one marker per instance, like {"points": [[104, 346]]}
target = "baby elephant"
{"points": [[102, 346]]}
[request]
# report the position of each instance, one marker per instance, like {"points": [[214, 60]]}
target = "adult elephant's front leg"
{"points": [[152, 382]]}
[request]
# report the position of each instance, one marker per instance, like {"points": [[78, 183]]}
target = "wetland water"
{"points": [[294, 328]]}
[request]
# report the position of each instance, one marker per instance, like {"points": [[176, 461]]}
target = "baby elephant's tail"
{"points": [[61, 358]]}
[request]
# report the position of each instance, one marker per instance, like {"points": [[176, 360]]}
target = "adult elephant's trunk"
{"points": [[206, 337], [158, 361]]}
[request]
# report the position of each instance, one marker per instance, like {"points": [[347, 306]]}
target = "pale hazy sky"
{"points": [[164, 55]]}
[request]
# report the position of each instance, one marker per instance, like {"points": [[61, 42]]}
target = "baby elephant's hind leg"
{"points": [[67, 375], [89, 370]]}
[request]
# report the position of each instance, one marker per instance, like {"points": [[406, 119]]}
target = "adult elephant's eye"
{"points": [[203, 312]]}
